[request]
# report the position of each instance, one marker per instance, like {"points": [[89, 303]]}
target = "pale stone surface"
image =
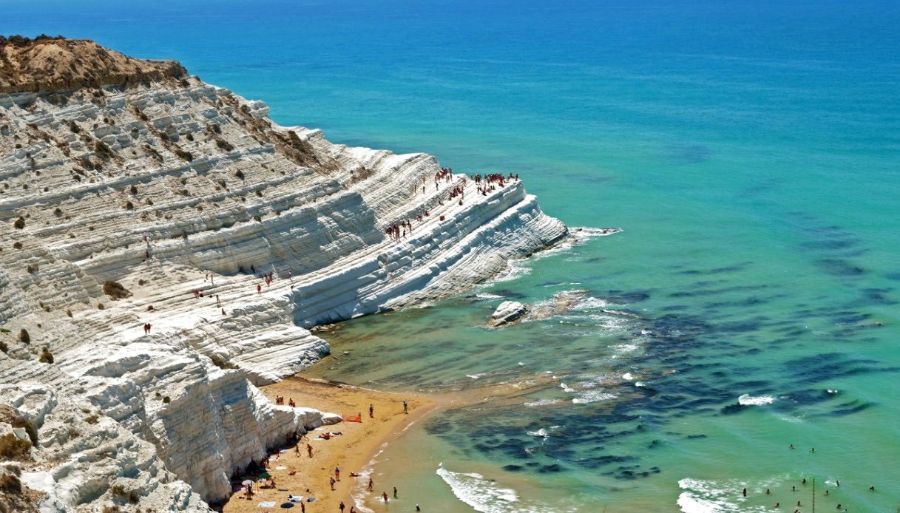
{"points": [[172, 188], [507, 312]]}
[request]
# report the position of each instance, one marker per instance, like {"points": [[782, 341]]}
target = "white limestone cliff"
{"points": [[174, 189]]}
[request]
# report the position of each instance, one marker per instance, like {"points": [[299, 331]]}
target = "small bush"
{"points": [[17, 245], [46, 356], [4, 347], [224, 145], [184, 155], [69, 313], [20, 222], [24, 337], [134, 189], [31, 268], [92, 419], [115, 290], [11, 447], [9, 483], [221, 363], [238, 173], [129, 205], [58, 212], [100, 306], [167, 400], [102, 150]]}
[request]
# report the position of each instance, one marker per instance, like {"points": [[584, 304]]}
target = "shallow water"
{"points": [[749, 151]]}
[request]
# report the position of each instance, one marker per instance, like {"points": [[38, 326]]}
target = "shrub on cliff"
{"points": [[19, 223], [184, 155], [224, 145], [115, 290], [46, 356], [9, 482], [24, 337], [13, 448], [102, 150]]}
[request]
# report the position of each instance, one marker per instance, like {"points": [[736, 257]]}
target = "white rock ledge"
{"points": [[173, 188]]}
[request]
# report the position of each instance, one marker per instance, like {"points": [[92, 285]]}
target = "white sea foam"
{"points": [[640, 384], [700, 496], [593, 396], [577, 236], [628, 376], [757, 400], [486, 496], [479, 493], [542, 402], [484, 296], [540, 433], [566, 388]]}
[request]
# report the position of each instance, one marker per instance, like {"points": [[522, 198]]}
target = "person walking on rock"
{"points": [[309, 450]]}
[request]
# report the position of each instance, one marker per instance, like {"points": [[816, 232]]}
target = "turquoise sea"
{"points": [[750, 152]]}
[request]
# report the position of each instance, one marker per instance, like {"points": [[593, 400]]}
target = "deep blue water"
{"points": [[749, 150]]}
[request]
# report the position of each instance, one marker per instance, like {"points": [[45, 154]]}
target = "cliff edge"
{"points": [[165, 248], [48, 64]]}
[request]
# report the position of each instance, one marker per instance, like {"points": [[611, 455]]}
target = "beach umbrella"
{"points": [[287, 505], [247, 482]]}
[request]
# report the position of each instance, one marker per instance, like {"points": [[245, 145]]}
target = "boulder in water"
{"points": [[507, 312]]}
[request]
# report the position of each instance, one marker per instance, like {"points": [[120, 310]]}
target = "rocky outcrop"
{"points": [[136, 224], [48, 64], [507, 312]]}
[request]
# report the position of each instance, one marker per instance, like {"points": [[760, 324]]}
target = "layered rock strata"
{"points": [[137, 221]]}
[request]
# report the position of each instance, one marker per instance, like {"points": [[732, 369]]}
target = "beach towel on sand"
{"points": [[266, 504]]}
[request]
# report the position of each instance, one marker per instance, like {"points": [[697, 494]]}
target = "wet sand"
{"points": [[350, 451]]}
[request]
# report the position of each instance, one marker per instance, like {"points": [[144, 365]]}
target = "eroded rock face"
{"points": [[507, 312], [184, 195]]}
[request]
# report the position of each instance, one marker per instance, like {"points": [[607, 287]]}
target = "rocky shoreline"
{"points": [[165, 248]]}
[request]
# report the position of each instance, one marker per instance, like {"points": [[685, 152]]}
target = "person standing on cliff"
{"points": [[337, 473], [405, 408], [341, 507], [309, 450], [371, 484]]}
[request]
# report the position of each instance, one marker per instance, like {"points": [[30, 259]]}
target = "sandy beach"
{"points": [[295, 472]]}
